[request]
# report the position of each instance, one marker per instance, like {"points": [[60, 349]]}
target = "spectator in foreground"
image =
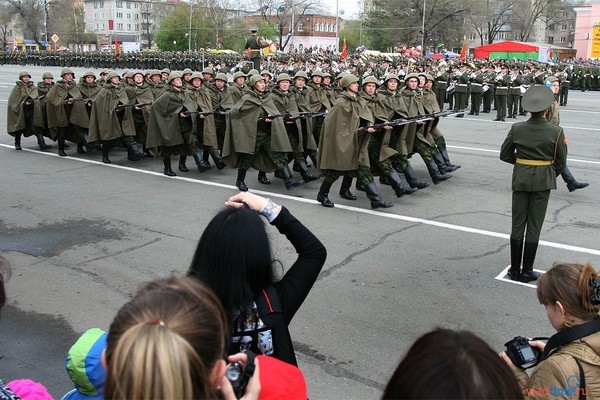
{"points": [[446, 364]]}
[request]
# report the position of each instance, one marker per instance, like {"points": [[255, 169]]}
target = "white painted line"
{"points": [[338, 206], [562, 109], [514, 121], [498, 152], [501, 277]]}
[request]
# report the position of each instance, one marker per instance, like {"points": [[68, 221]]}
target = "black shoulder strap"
{"points": [[568, 335], [268, 302], [582, 392]]}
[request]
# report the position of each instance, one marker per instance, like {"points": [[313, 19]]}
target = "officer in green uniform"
{"points": [[502, 83], [538, 151], [476, 92], [254, 46]]}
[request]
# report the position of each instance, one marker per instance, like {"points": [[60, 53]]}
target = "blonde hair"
{"points": [[165, 342], [569, 284]]}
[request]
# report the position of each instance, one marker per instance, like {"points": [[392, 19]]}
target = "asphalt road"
{"points": [[82, 235]]}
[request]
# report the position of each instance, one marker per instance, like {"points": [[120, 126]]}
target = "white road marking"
{"points": [[502, 277], [338, 206], [512, 121], [498, 152]]}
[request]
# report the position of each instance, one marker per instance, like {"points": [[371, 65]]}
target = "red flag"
{"points": [[463, 51], [116, 45], [344, 50]]}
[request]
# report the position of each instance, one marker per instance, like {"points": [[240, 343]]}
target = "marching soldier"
{"points": [[59, 104], [24, 112], [221, 101], [139, 91], [84, 94], [514, 93], [488, 89]]}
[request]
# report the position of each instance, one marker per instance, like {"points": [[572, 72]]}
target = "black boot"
{"points": [[262, 178], [133, 153], [18, 142], [313, 159], [148, 154], [435, 174], [289, 181], [571, 182], [516, 253], [323, 196], [241, 185], [376, 200], [80, 148], [206, 157], [384, 180], [303, 169], [42, 142], [168, 170], [61, 148], [105, 150], [202, 167], [449, 166], [399, 188], [182, 166], [412, 179], [345, 192], [527, 273], [439, 162], [216, 156]]}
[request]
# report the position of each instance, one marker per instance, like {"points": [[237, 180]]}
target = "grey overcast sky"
{"points": [[350, 7]]}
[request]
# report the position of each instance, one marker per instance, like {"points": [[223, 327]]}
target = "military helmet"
{"points": [[391, 76], [124, 73], [238, 75], [428, 77], [340, 75], [165, 71], [47, 75], [537, 98], [266, 73], [173, 75], [208, 70], [129, 74], [187, 71], [317, 72], [410, 76], [252, 72], [348, 79], [326, 75], [89, 73], [104, 72], [222, 77], [134, 73], [301, 74], [110, 75], [154, 72], [148, 72], [255, 78], [370, 79], [66, 71], [196, 75], [24, 73], [283, 77]]}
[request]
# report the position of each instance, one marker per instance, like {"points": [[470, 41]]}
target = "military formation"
{"points": [[290, 112]]}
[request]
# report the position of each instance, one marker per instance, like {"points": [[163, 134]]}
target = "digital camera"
{"points": [[521, 353], [238, 377]]}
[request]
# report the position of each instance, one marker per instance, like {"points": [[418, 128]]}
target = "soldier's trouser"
{"points": [[318, 124], [263, 143], [426, 151], [141, 130], [440, 94], [513, 104], [475, 102], [450, 98], [384, 166], [564, 95], [462, 99], [528, 211], [440, 143], [220, 127], [501, 106], [487, 100], [364, 175]]}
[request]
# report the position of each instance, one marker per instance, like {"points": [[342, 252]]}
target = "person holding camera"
{"points": [[233, 257], [168, 343], [569, 364]]}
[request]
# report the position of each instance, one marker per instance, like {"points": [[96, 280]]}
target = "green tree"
{"points": [[173, 35], [351, 31]]}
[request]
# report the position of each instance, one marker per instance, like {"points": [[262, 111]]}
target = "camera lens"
{"points": [[234, 372]]}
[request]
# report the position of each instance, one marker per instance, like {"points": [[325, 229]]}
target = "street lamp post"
{"points": [[423, 28], [337, 23], [281, 10], [189, 35]]}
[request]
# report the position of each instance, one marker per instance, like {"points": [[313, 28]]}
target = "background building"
{"points": [[587, 31]]}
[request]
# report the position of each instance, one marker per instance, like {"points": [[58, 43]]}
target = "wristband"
{"points": [[270, 210]]}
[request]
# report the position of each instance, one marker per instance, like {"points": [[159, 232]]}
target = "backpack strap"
{"points": [[582, 392], [268, 302]]}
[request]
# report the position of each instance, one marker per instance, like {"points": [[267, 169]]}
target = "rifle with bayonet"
{"points": [[122, 107], [199, 113], [290, 116], [406, 121], [29, 101]]}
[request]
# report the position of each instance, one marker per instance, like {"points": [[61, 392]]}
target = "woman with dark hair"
{"points": [[234, 258], [571, 295], [446, 364]]}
